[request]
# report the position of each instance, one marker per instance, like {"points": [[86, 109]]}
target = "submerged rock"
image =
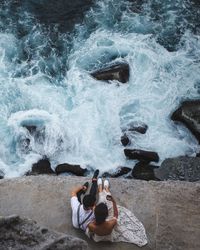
{"points": [[141, 155], [136, 127], [41, 167], [70, 168], [180, 168], [17, 233], [117, 173], [125, 140], [189, 114], [119, 72], [31, 128], [144, 171], [139, 129], [1, 174], [37, 132], [65, 14]]}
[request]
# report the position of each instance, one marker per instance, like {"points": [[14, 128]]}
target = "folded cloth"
{"points": [[128, 229]]}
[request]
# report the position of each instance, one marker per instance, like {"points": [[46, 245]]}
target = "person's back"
{"points": [[101, 226], [104, 228], [82, 214]]}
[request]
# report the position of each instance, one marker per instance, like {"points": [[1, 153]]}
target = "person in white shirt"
{"points": [[82, 212]]}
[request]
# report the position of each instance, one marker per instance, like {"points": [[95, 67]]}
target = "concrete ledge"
{"points": [[170, 211]]}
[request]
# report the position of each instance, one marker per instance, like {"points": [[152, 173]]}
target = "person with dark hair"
{"points": [[101, 213], [102, 225], [113, 222], [82, 211]]}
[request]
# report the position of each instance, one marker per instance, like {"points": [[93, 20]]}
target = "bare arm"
{"points": [[91, 226], [115, 209], [76, 190]]}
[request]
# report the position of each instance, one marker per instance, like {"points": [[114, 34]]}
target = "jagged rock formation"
{"points": [[189, 114], [118, 71], [22, 233], [181, 168]]}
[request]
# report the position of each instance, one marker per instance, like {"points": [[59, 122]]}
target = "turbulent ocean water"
{"points": [[45, 81]]}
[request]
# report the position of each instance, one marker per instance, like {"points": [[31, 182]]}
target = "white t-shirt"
{"points": [[83, 214]]}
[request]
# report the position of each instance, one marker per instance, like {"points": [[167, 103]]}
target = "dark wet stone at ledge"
{"points": [[125, 140], [181, 168], [189, 114], [41, 167], [70, 168], [118, 71], [120, 171], [144, 171], [141, 155], [23, 233], [1, 174]]}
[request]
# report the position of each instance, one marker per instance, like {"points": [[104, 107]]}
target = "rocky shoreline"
{"points": [[178, 168], [188, 114]]}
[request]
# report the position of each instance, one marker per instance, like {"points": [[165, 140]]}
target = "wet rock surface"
{"points": [[21, 233], [63, 13], [189, 114], [1, 174], [118, 71], [70, 168], [181, 168], [144, 171], [41, 167], [134, 127], [141, 155], [125, 140], [120, 171]]}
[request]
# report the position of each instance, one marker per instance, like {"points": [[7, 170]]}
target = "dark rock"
{"points": [[37, 132], [141, 155], [17, 233], [65, 14], [41, 167], [119, 72], [125, 140], [31, 128], [117, 173], [198, 155], [180, 168], [139, 129], [144, 171], [1, 174], [189, 114], [70, 168], [136, 127]]}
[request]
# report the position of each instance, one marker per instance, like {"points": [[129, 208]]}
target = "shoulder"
{"points": [[74, 202], [113, 221], [91, 226]]}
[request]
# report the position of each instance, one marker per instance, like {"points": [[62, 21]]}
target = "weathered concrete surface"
{"points": [[170, 211]]}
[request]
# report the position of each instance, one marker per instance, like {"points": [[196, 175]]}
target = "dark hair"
{"points": [[101, 213], [88, 201]]}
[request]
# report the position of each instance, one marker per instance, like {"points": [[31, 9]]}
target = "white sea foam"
{"points": [[79, 120]]}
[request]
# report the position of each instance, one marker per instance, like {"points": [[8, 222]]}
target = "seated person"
{"points": [[102, 225], [82, 212]]}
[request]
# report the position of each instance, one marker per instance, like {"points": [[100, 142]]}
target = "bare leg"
{"points": [[107, 189], [100, 189], [106, 186]]}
